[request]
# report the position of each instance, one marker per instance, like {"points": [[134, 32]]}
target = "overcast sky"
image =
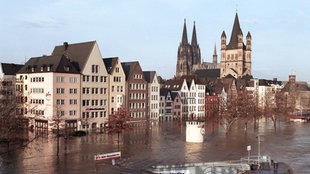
{"points": [[149, 31]]}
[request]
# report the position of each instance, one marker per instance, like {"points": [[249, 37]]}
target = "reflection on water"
{"points": [[163, 143]]}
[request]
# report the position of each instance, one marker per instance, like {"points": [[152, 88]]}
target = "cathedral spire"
{"points": [[184, 35], [194, 36], [214, 52], [236, 31], [214, 55]]}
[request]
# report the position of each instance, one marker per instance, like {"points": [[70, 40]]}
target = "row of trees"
{"points": [[245, 106]]}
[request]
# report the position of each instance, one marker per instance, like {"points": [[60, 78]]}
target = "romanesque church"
{"points": [[235, 56]]}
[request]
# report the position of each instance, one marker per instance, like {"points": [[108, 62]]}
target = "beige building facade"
{"points": [[117, 83], [94, 82]]}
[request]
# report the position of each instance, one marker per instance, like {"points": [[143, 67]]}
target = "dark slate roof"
{"points": [[174, 95], [10, 68], [223, 34], [300, 86], [160, 80], [264, 82], [110, 63], [219, 84], [208, 73], [57, 63], [174, 84], [77, 52], [149, 76], [233, 44], [163, 92], [129, 67]]}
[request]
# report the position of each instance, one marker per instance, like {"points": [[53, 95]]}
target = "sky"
{"points": [[150, 31]]}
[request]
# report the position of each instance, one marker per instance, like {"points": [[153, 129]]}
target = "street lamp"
{"points": [[249, 149], [258, 148]]}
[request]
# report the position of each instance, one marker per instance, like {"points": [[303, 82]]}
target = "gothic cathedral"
{"points": [[188, 54], [236, 56]]}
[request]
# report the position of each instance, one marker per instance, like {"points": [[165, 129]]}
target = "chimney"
{"points": [[66, 45]]}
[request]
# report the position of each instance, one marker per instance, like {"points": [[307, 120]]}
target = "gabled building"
{"points": [[48, 89], [136, 91], [166, 104], [87, 59], [117, 83], [180, 86], [8, 79], [170, 105], [9, 70], [177, 105], [153, 94], [192, 94], [236, 57], [211, 105]]}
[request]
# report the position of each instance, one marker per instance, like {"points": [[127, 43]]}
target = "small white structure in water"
{"points": [[195, 131]]}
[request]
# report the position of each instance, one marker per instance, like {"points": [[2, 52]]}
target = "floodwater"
{"points": [[163, 143]]}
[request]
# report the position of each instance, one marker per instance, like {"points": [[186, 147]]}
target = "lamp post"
{"points": [[258, 148], [249, 149]]}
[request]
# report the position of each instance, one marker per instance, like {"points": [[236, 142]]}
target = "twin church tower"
{"points": [[235, 56]]}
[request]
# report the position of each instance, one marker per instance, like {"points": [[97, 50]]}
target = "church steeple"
{"points": [[214, 55], [196, 56], [194, 36], [184, 35], [236, 34], [236, 57]]}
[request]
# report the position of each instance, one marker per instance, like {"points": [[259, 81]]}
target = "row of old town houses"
{"points": [[76, 84]]}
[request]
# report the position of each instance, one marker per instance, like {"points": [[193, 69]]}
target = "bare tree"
{"points": [[276, 107], [240, 107], [228, 114], [119, 121], [247, 107], [11, 124]]}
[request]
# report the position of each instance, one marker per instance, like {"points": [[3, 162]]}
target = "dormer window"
{"points": [[32, 69], [67, 68], [49, 68], [42, 68]]}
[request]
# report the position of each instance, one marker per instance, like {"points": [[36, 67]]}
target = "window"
{"points": [[73, 91], [95, 68], [117, 69], [73, 80], [72, 112], [60, 101], [60, 79], [73, 101], [60, 113], [117, 79], [67, 68], [60, 90], [85, 78]]}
